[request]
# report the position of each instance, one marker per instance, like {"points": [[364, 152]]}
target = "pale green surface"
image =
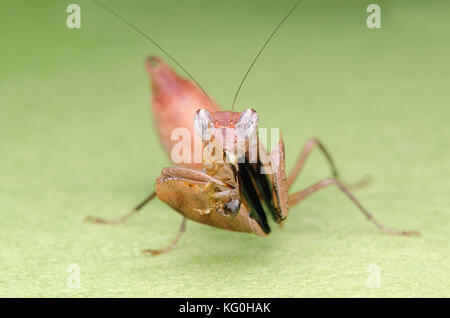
{"points": [[77, 138]]}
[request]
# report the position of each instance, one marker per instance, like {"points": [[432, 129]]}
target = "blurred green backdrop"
{"points": [[77, 138]]}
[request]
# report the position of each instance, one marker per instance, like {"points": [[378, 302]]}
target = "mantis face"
{"points": [[227, 136]]}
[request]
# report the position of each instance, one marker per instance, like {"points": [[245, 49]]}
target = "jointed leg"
{"points": [[301, 195], [123, 218], [309, 146], [171, 245]]}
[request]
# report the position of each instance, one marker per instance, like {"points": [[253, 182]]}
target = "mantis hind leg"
{"points": [[123, 218], [306, 151], [301, 195], [166, 249]]}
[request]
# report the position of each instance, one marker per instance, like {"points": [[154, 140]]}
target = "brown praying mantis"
{"points": [[227, 188]]}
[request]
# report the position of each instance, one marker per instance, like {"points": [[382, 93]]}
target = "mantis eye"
{"points": [[202, 122], [247, 123]]}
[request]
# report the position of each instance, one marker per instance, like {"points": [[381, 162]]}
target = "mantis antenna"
{"points": [[262, 49], [154, 43]]}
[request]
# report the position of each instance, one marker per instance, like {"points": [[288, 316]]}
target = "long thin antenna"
{"points": [[156, 44], [262, 49]]}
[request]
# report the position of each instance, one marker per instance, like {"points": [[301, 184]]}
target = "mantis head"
{"points": [[226, 135]]}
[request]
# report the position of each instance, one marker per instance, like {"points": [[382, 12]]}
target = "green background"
{"points": [[77, 138]]}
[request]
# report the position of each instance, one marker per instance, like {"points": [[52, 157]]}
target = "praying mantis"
{"points": [[227, 189]]}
